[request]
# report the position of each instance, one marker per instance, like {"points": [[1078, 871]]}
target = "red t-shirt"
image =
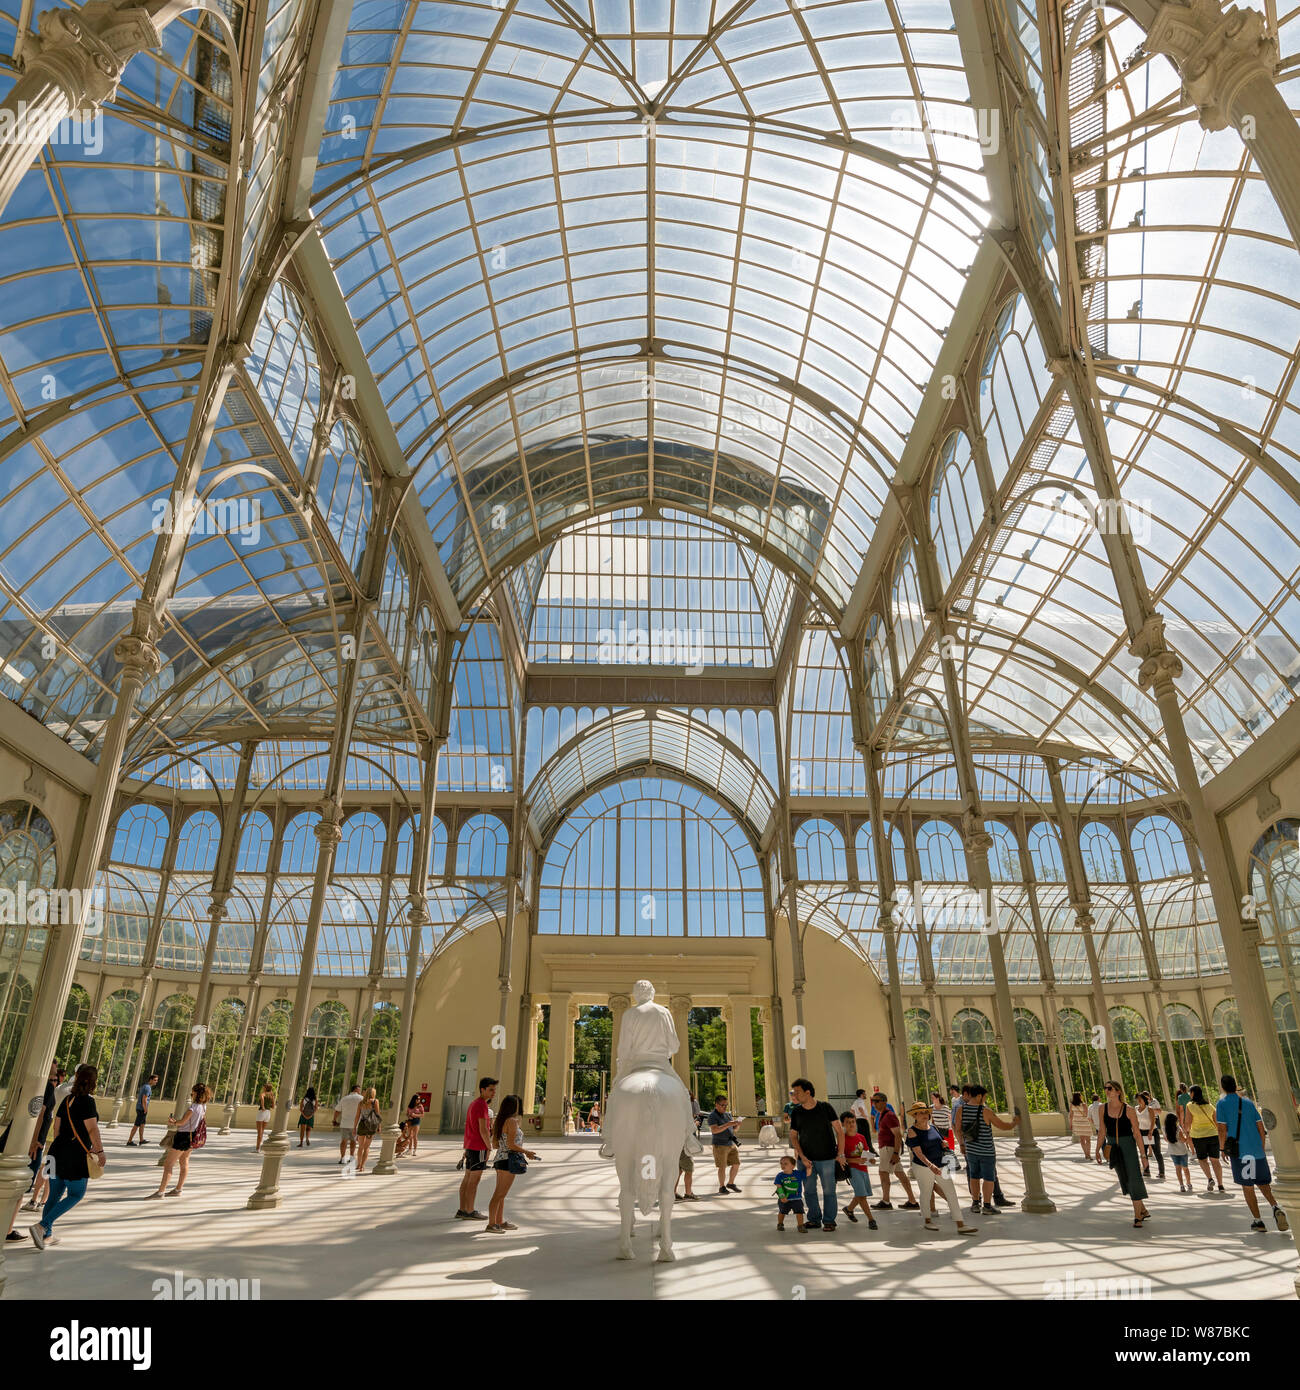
{"points": [[887, 1130], [855, 1149], [478, 1110]]}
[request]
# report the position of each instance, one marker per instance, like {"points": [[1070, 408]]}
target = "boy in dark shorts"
{"points": [[789, 1193]]}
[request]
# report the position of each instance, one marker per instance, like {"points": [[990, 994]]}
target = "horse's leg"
{"points": [[626, 1203], [667, 1184]]}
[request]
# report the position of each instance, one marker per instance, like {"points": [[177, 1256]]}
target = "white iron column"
{"points": [[139, 657]]}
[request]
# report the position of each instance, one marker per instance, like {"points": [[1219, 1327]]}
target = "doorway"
{"points": [[587, 1087], [841, 1078], [459, 1088]]}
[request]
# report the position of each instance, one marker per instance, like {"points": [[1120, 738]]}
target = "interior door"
{"points": [[841, 1078], [460, 1087]]}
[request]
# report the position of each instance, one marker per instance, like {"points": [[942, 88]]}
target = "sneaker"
{"points": [[910, 1206], [828, 1226], [1280, 1217], [677, 1197], [852, 1216], [14, 1235], [930, 1226], [780, 1225], [38, 1237], [690, 1197], [493, 1230], [1002, 1202], [991, 1211], [811, 1226], [30, 1206], [1258, 1226], [722, 1192], [976, 1209], [871, 1224], [462, 1215], [731, 1187], [507, 1226], [882, 1205]]}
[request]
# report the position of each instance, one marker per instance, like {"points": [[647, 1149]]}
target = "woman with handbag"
{"points": [[190, 1134], [75, 1153], [1126, 1148], [510, 1162], [366, 1126]]}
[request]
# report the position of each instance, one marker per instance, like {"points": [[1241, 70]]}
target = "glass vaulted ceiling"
{"points": [[671, 252]]}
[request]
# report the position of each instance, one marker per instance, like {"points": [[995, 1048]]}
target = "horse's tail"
{"points": [[648, 1176]]}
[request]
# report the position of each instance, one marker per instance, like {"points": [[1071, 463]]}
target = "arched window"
{"points": [[299, 847], [879, 672], [1103, 858], [920, 1052], [111, 1038], [650, 857], [1084, 1053], [1045, 853], [975, 1055], [819, 852], [1139, 1069], [170, 1036], [1013, 383], [266, 1050], [823, 759], [1191, 1055], [361, 850], [940, 853], [140, 837], [254, 843], [1274, 882], [196, 847], [1232, 1039], [76, 1022], [343, 491], [1004, 856], [898, 854], [478, 756], [325, 1052], [1035, 1063], [28, 861], [1284, 1020], [381, 1055], [956, 505], [909, 615], [481, 848], [285, 369], [864, 850], [1159, 850]]}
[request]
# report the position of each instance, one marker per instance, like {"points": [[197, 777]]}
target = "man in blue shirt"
{"points": [[142, 1098], [1241, 1137]]}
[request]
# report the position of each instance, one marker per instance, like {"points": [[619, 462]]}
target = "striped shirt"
{"points": [[981, 1144], [941, 1117]]}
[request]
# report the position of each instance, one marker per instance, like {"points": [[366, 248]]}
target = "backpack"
{"points": [[369, 1122], [308, 1109], [200, 1135], [970, 1119]]}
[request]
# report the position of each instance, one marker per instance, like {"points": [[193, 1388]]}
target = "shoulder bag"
{"points": [[94, 1166]]}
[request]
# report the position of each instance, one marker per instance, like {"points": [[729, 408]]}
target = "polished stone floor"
{"points": [[395, 1237]]}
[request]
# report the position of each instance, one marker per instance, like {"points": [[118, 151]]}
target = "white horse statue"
{"points": [[648, 1120]]}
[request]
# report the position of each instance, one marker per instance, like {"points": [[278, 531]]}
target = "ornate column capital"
{"points": [[620, 1001], [86, 51], [573, 1012], [1215, 51], [974, 836], [329, 829], [679, 1003], [137, 651], [1160, 665]]}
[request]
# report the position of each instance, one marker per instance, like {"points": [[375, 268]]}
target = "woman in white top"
{"points": [[183, 1140], [1081, 1126], [1149, 1122], [508, 1136]]}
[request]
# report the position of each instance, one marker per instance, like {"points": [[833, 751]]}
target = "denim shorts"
{"points": [[1181, 1161], [981, 1167], [860, 1182]]}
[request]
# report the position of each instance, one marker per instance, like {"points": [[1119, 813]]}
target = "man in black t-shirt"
{"points": [[818, 1139]]}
